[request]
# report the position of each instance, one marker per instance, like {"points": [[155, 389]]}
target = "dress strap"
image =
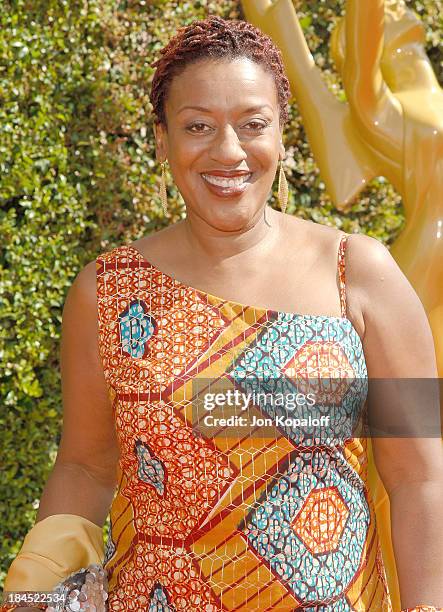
{"points": [[342, 274]]}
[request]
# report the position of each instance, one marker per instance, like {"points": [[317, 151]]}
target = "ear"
{"points": [[160, 142]]}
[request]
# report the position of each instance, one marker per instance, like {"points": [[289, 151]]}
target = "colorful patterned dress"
{"points": [[228, 522]]}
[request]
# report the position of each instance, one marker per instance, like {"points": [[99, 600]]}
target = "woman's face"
{"points": [[235, 130]]}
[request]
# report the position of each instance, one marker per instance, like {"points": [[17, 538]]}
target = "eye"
{"points": [[259, 126], [194, 125]]}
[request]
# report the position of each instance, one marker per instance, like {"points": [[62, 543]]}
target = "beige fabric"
{"points": [[54, 548]]}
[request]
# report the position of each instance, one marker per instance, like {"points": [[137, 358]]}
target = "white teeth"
{"points": [[225, 182]]}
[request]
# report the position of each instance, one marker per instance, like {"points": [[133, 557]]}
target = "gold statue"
{"points": [[392, 126], [397, 104]]}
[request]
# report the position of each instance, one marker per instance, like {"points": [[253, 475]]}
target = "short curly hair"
{"points": [[215, 37]]}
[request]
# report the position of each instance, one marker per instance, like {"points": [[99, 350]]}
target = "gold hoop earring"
{"points": [[282, 189], [163, 196]]}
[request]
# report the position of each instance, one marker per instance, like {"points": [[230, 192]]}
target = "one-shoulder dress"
{"points": [[228, 522]]}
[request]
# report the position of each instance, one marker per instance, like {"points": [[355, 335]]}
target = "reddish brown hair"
{"points": [[215, 37]]}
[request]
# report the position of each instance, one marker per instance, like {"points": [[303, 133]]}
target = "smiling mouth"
{"points": [[220, 181]]}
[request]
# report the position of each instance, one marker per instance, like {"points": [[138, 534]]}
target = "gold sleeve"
{"points": [[54, 548]]}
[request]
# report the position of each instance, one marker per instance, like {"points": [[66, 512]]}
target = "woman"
{"points": [[223, 518]]}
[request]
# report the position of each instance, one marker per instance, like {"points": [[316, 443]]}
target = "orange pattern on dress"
{"points": [[230, 521]]}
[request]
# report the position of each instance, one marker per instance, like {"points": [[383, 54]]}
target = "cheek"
{"points": [[190, 158], [266, 152]]}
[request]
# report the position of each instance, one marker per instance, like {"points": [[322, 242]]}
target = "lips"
{"points": [[226, 182], [226, 174], [227, 186]]}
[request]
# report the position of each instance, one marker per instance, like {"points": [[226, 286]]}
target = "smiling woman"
{"points": [[235, 519], [223, 153]]}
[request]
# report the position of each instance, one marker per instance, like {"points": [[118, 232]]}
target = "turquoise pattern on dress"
{"points": [[227, 522], [136, 327]]}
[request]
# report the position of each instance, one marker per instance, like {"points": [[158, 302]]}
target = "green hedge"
{"points": [[78, 176]]}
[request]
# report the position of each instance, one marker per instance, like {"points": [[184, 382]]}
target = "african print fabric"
{"points": [[228, 522]]}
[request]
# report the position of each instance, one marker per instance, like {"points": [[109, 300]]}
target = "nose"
{"points": [[226, 148]]}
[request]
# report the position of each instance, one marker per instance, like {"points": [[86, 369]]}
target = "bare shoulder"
{"points": [[366, 263], [159, 242], [79, 319], [83, 289], [373, 274], [317, 254], [322, 238], [382, 305], [398, 340]]}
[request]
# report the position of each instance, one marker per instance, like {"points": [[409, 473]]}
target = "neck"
{"points": [[216, 245]]}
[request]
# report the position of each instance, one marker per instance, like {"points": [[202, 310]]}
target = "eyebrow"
{"points": [[250, 109]]}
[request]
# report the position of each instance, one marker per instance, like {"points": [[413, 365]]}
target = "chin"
{"points": [[231, 219]]}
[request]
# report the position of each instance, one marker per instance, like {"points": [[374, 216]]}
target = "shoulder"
{"points": [[316, 237], [82, 294], [398, 340], [312, 237], [85, 283], [160, 242], [367, 261], [373, 274]]}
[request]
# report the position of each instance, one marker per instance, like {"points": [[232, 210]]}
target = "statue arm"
{"points": [[374, 107]]}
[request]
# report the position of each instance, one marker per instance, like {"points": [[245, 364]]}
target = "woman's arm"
{"points": [[398, 344], [83, 479], [88, 453]]}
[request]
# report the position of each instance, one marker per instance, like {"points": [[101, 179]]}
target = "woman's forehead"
{"points": [[217, 84]]}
